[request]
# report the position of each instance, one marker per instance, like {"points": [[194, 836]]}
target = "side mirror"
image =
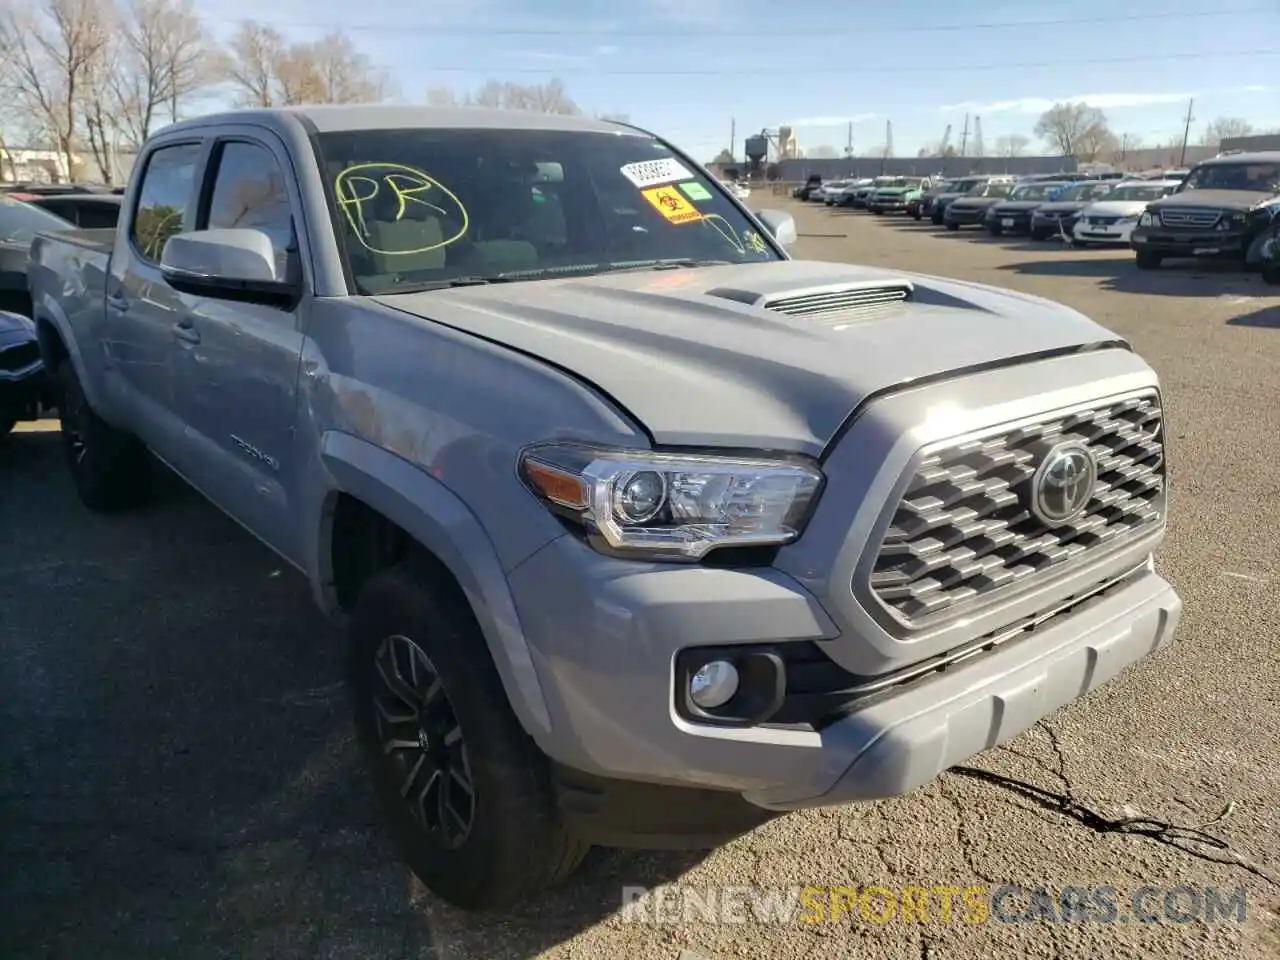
{"points": [[781, 226], [229, 264]]}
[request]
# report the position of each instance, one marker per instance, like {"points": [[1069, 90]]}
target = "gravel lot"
{"points": [[177, 779]]}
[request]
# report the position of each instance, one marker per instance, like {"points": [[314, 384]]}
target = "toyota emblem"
{"points": [[1063, 484]]}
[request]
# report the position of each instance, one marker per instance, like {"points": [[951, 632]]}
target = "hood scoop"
{"points": [[842, 304]]}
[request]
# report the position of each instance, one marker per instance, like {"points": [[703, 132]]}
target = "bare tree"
{"points": [[1222, 128], [723, 157], [163, 60], [550, 97], [269, 71], [1074, 129], [1013, 145], [50, 54]]}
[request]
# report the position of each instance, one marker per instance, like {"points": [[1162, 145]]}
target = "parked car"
{"points": [[1013, 215], [1217, 212], [1113, 219], [1057, 217], [24, 389], [89, 211], [52, 189], [579, 608], [830, 190], [803, 191], [19, 223], [968, 211], [933, 204], [861, 195], [1270, 249], [892, 197], [737, 189], [853, 189]]}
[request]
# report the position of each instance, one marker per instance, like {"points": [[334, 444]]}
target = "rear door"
{"points": [[238, 362]]}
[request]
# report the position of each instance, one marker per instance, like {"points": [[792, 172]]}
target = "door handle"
{"points": [[184, 331], [118, 301]]}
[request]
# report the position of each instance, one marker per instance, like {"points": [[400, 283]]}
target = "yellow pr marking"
{"points": [[357, 185]]}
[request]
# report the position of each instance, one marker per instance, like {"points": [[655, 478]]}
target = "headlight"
{"points": [[1149, 219], [1132, 218], [666, 506]]}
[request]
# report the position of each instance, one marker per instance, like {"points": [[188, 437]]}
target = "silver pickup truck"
{"points": [[642, 531]]}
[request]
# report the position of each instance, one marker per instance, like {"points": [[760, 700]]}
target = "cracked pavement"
{"points": [[177, 777]]}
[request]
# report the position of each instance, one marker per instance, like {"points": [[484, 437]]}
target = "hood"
{"points": [[975, 202], [894, 191], [1117, 208], [1221, 199], [1018, 206], [1062, 206], [15, 328], [757, 356]]}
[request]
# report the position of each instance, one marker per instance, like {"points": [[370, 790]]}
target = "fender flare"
{"points": [[439, 521]]}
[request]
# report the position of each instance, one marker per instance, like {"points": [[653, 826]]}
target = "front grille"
{"points": [[840, 305], [19, 357], [1193, 219], [1101, 221], [962, 530]]}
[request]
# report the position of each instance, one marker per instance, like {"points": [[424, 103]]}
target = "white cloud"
{"points": [[1254, 88], [607, 50], [831, 121], [1104, 101]]}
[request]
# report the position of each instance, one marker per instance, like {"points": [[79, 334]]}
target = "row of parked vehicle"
{"points": [[1225, 208], [25, 210]]}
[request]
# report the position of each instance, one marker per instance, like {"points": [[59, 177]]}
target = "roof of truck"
{"points": [[384, 116]]}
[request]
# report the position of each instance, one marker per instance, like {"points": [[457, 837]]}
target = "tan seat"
{"points": [[422, 241]]}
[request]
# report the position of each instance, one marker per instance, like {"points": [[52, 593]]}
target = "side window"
{"points": [[98, 216], [162, 201], [249, 193]]}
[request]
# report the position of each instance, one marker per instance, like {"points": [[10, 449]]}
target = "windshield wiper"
{"points": [[674, 263]]}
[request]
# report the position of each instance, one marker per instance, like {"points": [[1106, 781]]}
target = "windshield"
{"points": [[1034, 191], [423, 207], [1262, 177], [20, 222], [991, 190], [1087, 191], [1138, 191]]}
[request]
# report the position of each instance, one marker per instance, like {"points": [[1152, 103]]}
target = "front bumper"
{"points": [[1211, 244], [611, 639], [24, 388], [1042, 225], [1120, 232], [887, 206], [1008, 222], [963, 216]]}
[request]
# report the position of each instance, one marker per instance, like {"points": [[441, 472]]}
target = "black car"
{"points": [[24, 388], [19, 223], [1057, 217], [934, 203], [808, 188], [968, 211], [1221, 211], [89, 211], [1014, 214]]}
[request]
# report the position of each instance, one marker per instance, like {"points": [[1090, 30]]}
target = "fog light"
{"points": [[714, 684]]}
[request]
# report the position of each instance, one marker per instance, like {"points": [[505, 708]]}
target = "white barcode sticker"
{"points": [[649, 173]]}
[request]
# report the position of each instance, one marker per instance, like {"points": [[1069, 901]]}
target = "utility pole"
{"points": [[964, 138], [979, 148], [733, 137], [848, 147], [1186, 132]]}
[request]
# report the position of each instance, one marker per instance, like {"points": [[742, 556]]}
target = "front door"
{"points": [[239, 361]]}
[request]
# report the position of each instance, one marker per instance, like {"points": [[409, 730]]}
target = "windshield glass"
{"points": [[1086, 191], [1262, 177], [20, 222], [423, 207], [1138, 191], [991, 190], [1034, 191]]}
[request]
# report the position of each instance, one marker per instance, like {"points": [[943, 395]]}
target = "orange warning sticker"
{"points": [[672, 204]]}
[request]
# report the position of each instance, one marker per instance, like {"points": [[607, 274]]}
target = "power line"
{"points": [[617, 31], [879, 71]]}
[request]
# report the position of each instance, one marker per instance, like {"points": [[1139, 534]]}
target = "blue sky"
{"points": [[686, 69]]}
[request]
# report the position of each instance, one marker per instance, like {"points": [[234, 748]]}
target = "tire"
{"points": [[878, 213], [111, 469], [953, 226], [1271, 272], [936, 218], [1039, 235], [917, 215], [1146, 260], [1078, 244], [515, 846], [995, 231]]}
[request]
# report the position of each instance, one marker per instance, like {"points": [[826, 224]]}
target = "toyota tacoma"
{"points": [[641, 531]]}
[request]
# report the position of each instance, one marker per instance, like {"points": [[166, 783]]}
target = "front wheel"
{"points": [[1148, 260], [917, 216], [111, 469], [1078, 244], [465, 793], [1271, 271]]}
